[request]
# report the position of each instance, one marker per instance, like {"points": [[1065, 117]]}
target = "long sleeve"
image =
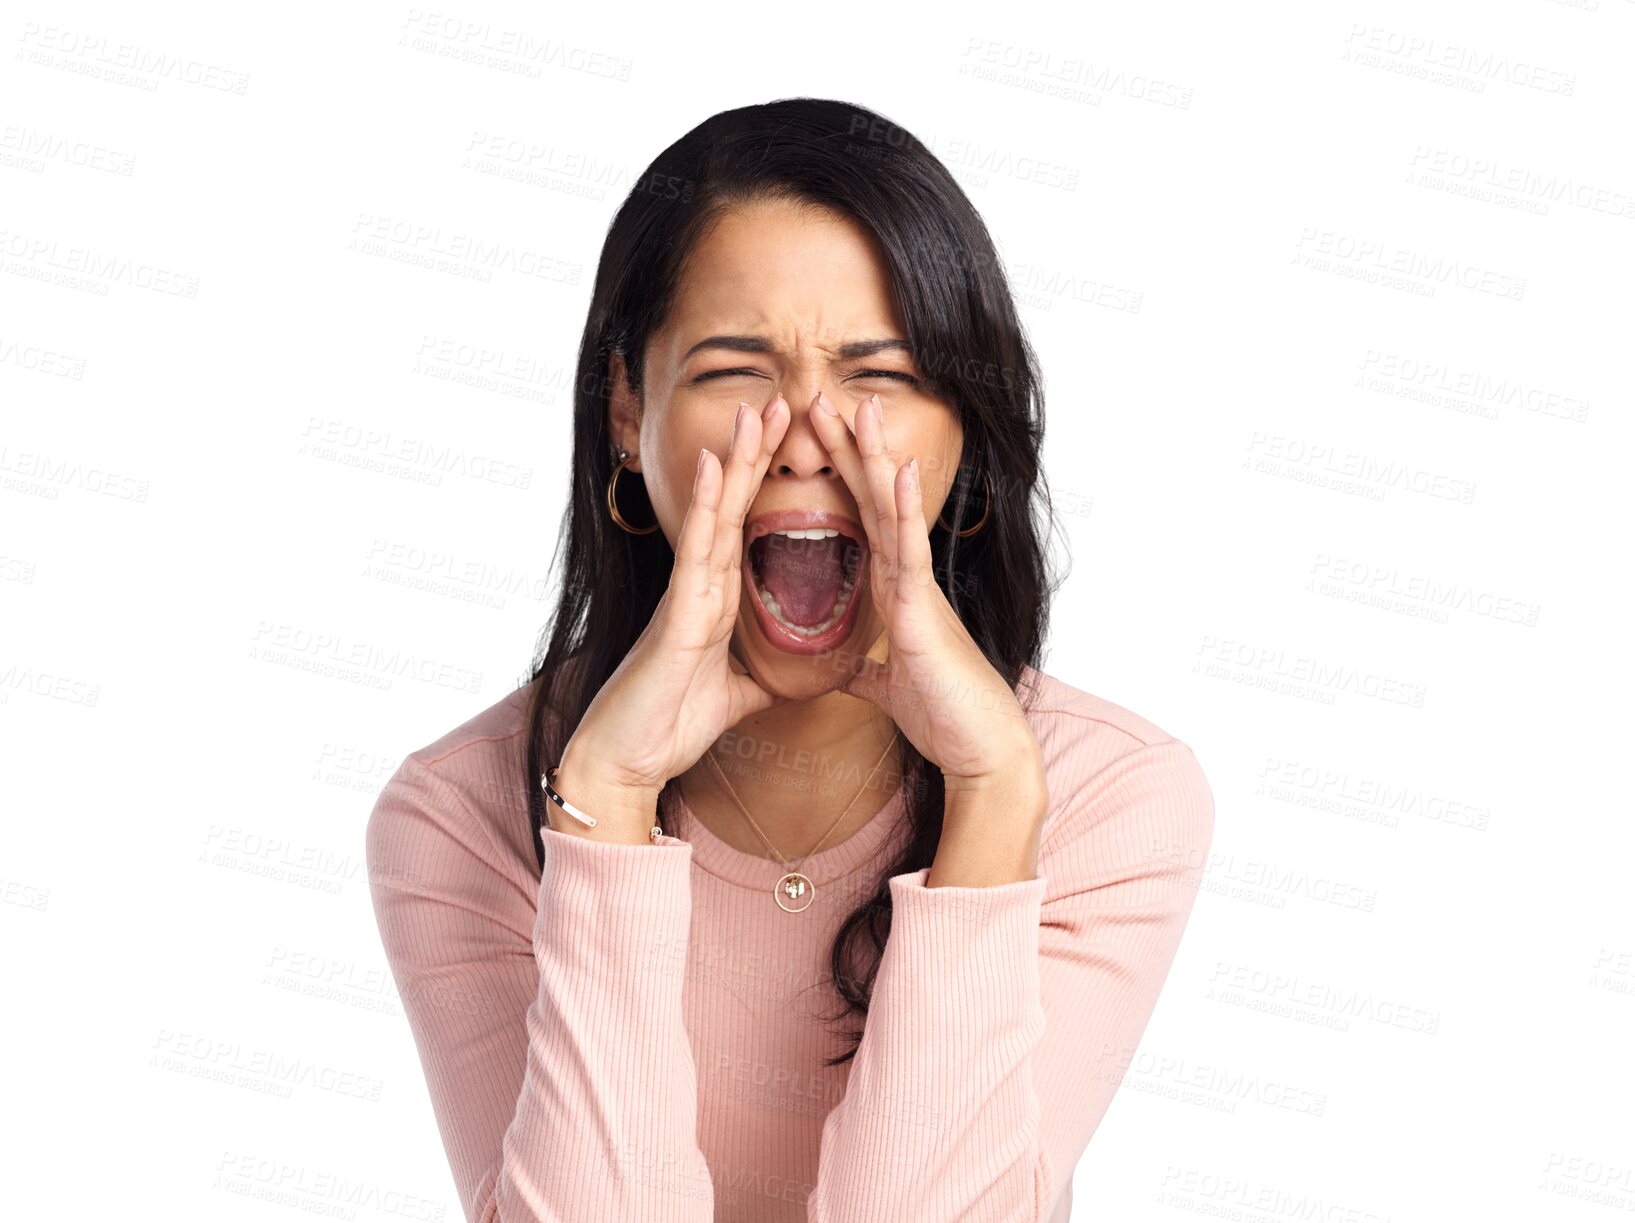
{"points": [[1002, 1017], [549, 1023]]}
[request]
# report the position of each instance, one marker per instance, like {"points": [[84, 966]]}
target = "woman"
{"points": [[787, 764]]}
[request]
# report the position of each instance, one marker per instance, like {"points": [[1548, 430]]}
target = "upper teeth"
{"points": [[813, 533]]}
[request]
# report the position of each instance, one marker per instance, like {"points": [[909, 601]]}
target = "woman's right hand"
{"points": [[679, 687]]}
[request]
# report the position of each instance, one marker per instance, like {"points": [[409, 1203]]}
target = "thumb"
{"points": [[748, 697], [868, 682]]}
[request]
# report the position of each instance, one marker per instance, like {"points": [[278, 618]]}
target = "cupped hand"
{"points": [[680, 686], [935, 682]]}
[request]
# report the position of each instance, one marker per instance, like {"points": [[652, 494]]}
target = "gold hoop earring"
{"points": [[613, 502], [980, 522]]}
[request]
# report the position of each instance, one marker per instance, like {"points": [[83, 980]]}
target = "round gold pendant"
{"points": [[798, 888]]}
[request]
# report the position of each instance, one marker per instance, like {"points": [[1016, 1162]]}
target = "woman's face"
{"points": [[806, 284]]}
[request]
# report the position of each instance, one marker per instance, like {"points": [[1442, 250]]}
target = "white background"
{"points": [[1333, 305]]}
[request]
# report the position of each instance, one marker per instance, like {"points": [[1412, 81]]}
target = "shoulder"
{"points": [[1112, 773], [1080, 721], [467, 786]]}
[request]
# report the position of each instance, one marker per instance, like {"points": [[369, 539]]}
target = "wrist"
{"points": [[991, 827], [1019, 782], [624, 812]]}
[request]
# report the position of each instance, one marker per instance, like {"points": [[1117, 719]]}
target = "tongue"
{"points": [[803, 575]]}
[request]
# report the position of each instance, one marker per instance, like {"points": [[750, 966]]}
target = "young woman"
{"points": [[789, 887]]}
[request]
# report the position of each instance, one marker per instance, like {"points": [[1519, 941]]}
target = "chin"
{"points": [[797, 675]]}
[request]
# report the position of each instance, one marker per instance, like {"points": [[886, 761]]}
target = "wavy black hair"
{"points": [[953, 297]]}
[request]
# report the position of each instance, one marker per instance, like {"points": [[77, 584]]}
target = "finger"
{"points": [[735, 472], [840, 441], [755, 439], [692, 570], [881, 470], [913, 540]]}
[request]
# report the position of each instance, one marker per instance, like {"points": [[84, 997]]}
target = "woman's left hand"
{"points": [[935, 683]]}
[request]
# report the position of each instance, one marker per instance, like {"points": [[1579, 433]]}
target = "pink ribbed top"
{"points": [[637, 1034]]}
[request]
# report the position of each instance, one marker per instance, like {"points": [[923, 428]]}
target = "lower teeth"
{"points": [[841, 600]]}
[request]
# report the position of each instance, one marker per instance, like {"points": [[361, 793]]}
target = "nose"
{"points": [[802, 453]]}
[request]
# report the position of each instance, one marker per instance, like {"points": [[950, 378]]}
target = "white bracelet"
{"points": [[589, 821], [584, 817]]}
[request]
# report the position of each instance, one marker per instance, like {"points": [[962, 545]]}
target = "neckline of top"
{"points": [[761, 873]]}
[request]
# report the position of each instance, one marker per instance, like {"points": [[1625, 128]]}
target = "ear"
{"points": [[624, 412]]}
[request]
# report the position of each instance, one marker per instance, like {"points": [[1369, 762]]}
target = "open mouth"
{"points": [[806, 585]]}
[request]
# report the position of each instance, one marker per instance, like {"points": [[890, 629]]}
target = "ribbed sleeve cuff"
{"points": [[609, 908], [607, 1125], [967, 951], [940, 1100]]}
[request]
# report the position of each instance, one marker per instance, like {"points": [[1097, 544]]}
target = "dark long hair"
{"points": [[952, 295]]}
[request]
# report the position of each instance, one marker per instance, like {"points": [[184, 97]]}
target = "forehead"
{"points": [[801, 277]]}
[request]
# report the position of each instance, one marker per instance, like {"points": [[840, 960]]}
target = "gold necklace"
{"points": [[794, 884]]}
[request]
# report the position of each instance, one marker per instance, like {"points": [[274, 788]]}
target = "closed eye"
{"points": [[910, 379], [887, 373], [729, 373]]}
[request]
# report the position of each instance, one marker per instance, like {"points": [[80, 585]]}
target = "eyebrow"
{"points": [[755, 343]]}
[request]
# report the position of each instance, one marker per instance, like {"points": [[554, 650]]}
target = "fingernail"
{"points": [[699, 470], [737, 419], [914, 472], [823, 402], [875, 400], [766, 409]]}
